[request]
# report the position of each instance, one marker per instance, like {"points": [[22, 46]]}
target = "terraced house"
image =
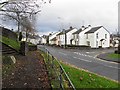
{"points": [[53, 40], [79, 36], [94, 37], [66, 37], [98, 37]]}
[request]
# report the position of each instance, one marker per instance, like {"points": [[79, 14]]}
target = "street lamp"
{"points": [[64, 31]]}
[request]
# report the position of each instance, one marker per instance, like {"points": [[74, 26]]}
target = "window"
{"points": [[87, 36], [88, 43], [77, 36], [96, 43], [105, 36], [97, 35], [74, 36]]}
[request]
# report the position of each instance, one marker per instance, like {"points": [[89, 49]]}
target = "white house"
{"points": [[66, 36], [34, 39], [79, 36], [53, 39], [44, 39], [98, 37]]}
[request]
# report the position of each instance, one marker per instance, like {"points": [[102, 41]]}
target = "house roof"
{"points": [[77, 32], [54, 39], [92, 30], [65, 31], [60, 33]]}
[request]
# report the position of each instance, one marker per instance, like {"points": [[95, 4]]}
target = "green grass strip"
{"points": [[83, 79], [54, 72], [113, 55], [10, 42]]}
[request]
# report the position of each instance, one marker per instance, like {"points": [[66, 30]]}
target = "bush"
{"points": [[117, 51]]}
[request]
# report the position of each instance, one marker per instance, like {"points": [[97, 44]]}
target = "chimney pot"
{"points": [[83, 27], [71, 27], [89, 25]]}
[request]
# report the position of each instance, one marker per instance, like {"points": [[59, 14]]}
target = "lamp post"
{"points": [[64, 31]]}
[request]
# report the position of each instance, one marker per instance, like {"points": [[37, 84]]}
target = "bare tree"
{"points": [[17, 9], [28, 26]]}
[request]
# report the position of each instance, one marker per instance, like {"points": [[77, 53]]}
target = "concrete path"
{"points": [[28, 72]]}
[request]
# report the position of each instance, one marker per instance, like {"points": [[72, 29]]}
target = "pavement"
{"points": [[86, 59], [29, 72]]}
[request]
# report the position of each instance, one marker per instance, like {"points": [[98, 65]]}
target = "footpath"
{"points": [[29, 72]]}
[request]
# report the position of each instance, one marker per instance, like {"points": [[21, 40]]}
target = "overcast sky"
{"points": [[64, 13], [61, 14]]}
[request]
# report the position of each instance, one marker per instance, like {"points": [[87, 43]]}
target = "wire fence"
{"points": [[58, 76]]}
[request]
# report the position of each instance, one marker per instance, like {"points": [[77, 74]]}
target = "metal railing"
{"points": [[58, 76]]}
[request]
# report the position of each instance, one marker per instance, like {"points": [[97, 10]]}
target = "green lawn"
{"points": [[12, 43], [84, 79], [113, 55]]}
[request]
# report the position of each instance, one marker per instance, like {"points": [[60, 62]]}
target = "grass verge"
{"points": [[54, 72], [114, 56], [84, 79], [10, 42]]}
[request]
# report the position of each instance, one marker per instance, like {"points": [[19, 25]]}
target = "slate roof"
{"points": [[54, 39], [92, 30], [60, 33], [66, 31], [77, 32]]}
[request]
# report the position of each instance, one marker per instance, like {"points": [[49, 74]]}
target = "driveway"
{"points": [[86, 59]]}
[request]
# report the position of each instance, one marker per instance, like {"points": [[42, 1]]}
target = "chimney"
{"points": [[89, 26], [83, 27], [71, 27]]}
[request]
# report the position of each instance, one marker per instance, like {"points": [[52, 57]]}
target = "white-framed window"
{"points": [[88, 43], [97, 35], [77, 36], [97, 43], [105, 36], [86, 36], [74, 36]]}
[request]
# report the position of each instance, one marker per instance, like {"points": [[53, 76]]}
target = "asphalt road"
{"points": [[86, 59]]}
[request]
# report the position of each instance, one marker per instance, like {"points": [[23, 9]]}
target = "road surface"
{"points": [[86, 59]]}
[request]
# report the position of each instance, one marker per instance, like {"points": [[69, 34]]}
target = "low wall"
{"points": [[8, 33], [24, 48]]}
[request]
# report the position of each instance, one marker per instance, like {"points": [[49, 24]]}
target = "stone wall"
{"points": [[24, 48]]}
